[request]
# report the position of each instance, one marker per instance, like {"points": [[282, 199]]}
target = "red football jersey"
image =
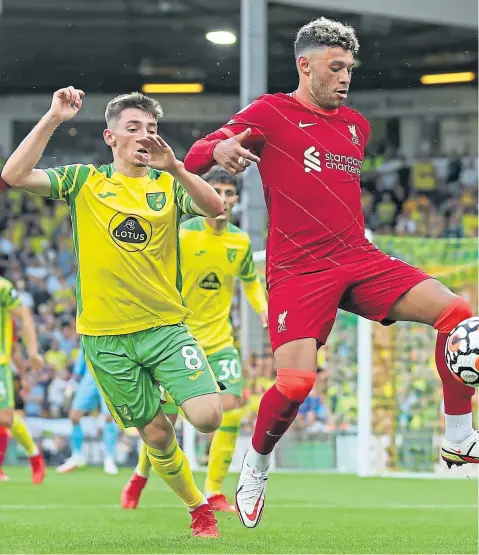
{"points": [[310, 168]]}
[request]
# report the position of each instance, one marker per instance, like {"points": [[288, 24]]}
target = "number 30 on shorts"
{"points": [[230, 368], [192, 358]]}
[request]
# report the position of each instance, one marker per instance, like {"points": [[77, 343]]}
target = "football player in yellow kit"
{"points": [[213, 253], [130, 311]]}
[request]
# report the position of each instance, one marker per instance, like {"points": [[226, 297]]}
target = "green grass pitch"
{"points": [[305, 513]]}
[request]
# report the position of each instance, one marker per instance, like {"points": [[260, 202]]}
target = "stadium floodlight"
{"points": [[221, 37], [172, 88], [444, 78]]}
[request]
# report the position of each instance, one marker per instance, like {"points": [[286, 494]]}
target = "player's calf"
{"points": [[278, 409], [461, 442], [158, 433]]}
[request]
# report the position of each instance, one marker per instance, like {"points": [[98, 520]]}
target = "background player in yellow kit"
{"points": [[213, 253], [130, 311], [10, 305]]}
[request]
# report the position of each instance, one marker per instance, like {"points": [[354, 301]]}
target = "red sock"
{"points": [[457, 396], [279, 407], [3, 444], [275, 415]]}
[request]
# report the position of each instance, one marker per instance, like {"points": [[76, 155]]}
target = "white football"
{"points": [[462, 351]]}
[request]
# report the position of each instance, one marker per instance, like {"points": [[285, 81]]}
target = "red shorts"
{"points": [[306, 305]]}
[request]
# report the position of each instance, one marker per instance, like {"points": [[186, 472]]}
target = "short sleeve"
{"points": [[8, 295], [66, 181]]}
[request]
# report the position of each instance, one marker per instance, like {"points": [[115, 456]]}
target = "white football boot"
{"points": [[461, 453], [75, 462], [109, 466], [250, 493]]}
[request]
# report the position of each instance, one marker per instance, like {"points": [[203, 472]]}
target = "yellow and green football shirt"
{"points": [[8, 300], [210, 262], [125, 233]]}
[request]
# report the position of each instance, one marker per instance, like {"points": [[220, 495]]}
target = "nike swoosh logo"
{"points": [[458, 451], [252, 516], [301, 124], [106, 195], [273, 435], [199, 253]]}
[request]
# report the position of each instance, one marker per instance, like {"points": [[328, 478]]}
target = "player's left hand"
{"points": [[264, 319], [36, 361], [159, 155]]}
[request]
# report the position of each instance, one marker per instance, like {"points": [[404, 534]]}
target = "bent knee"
{"points": [[295, 385], [159, 438], [209, 419], [158, 433]]}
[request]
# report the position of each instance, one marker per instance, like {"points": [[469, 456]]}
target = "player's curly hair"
{"points": [[325, 32], [115, 107]]}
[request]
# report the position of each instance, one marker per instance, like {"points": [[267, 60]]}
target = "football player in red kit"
{"points": [[309, 149]]}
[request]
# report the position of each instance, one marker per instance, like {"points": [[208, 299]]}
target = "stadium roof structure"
{"points": [[117, 45]]}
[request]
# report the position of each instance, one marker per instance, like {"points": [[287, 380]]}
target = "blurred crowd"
{"points": [[36, 254], [426, 197]]}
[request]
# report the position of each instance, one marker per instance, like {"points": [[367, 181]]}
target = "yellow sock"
{"points": [[172, 465], [144, 465], [221, 450], [22, 436]]}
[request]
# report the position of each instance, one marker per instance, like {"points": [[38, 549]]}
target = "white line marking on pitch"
{"points": [[54, 507]]}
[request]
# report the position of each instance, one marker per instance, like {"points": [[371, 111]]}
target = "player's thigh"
{"points": [[132, 397], [377, 284], [177, 362], [7, 387], [227, 368], [424, 303], [168, 406], [303, 307], [86, 396]]}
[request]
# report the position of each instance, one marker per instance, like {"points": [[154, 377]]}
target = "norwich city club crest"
{"points": [[231, 254], [125, 411], [156, 201]]}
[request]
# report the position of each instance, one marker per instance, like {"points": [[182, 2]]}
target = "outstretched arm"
{"points": [[160, 156], [19, 170]]}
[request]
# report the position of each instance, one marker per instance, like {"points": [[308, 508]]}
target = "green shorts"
{"points": [[226, 366], [7, 389], [130, 368]]}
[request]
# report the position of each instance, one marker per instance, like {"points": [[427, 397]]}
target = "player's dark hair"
{"points": [[115, 107], [217, 174], [324, 32]]}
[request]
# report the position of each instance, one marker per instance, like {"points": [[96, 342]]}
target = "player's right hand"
{"points": [[66, 103], [233, 157]]}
